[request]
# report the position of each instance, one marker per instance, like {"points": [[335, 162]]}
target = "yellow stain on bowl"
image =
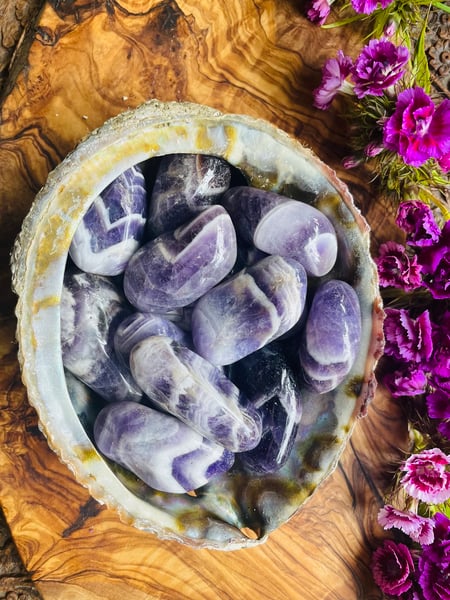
{"points": [[44, 303]]}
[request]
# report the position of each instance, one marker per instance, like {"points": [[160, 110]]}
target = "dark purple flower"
{"points": [[368, 6], [318, 11], [444, 429], [393, 568], [408, 339], [435, 262], [440, 360], [418, 222], [379, 65], [444, 162], [434, 562], [434, 581], [417, 130], [419, 529], [406, 380], [438, 405], [427, 476], [334, 73], [396, 268]]}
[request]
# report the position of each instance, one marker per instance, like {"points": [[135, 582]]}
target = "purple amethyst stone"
{"points": [[278, 225], [161, 450], [187, 386], [139, 326], [269, 383], [185, 185], [91, 309], [331, 335], [113, 227], [175, 269], [249, 310]]}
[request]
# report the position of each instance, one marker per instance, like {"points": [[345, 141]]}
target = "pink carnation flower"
{"points": [[419, 529], [379, 65], [417, 130], [408, 339], [393, 568], [434, 562], [396, 268], [406, 380], [368, 6], [334, 73], [318, 11], [418, 222], [427, 476], [435, 262]]}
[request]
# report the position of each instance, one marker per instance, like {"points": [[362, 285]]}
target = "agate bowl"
{"points": [[237, 509]]}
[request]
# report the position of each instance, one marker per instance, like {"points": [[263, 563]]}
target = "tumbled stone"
{"points": [[278, 225], [185, 185], [91, 309], [187, 386], [331, 336], [113, 227], [139, 326], [161, 450], [270, 385], [249, 310], [175, 269]]}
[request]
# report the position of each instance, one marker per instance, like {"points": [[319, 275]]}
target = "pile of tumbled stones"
{"points": [[187, 306]]}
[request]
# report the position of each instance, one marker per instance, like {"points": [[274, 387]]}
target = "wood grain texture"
{"points": [[89, 61]]}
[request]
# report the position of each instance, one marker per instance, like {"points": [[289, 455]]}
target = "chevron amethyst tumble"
{"points": [[278, 225], [187, 386], [113, 228], [185, 185], [176, 268], [91, 309], [331, 336], [139, 326], [268, 381], [164, 452], [249, 310]]}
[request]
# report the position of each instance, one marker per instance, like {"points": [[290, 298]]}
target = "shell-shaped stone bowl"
{"points": [[237, 510]]}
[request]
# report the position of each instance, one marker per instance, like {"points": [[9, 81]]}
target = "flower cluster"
{"points": [[418, 341], [418, 571], [400, 128], [416, 564]]}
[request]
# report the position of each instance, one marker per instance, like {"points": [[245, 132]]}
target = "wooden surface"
{"points": [[86, 62]]}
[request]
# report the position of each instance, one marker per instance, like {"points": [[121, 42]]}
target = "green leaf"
{"points": [[420, 62], [441, 6]]}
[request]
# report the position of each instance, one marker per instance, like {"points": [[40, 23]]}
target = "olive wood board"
{"points": [[87, 61]]}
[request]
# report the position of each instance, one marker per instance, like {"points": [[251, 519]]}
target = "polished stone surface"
{"points": [[113, 228], [160, 449], [184, 384], [175, 269], [249, 310]]}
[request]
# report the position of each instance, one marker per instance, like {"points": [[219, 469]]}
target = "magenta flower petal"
{"points": [[406, 381], [407, 338], [438, 405], [418, 222], [444, 429], [318, 11], [417, 130], [427, 476], [397, 269], [379, 65], [419, 529], [434, 562], [368, 6], [334, 73], [435, 262], [393, 568]]}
